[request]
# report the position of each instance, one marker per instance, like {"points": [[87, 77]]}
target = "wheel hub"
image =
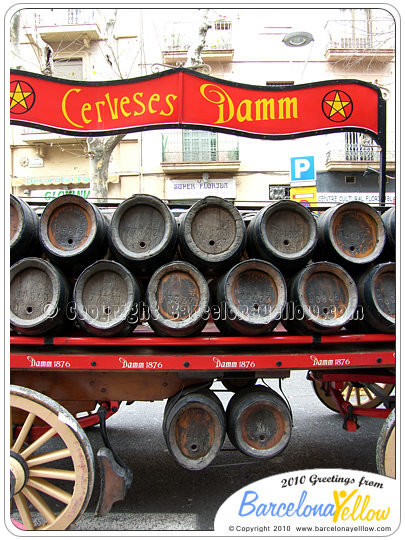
{"points": [[19, 473]]}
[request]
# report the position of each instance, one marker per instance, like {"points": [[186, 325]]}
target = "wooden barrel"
{"points": [[177, 300], [24, 225], [283, 233], [377, 306], [389, 221], [194, 428], [143, 233], [73, 232], [249, 299], [212, 235], [107, 299], [39, 294], [351, 234], [258, 422], [322, 298], [386, 446]]}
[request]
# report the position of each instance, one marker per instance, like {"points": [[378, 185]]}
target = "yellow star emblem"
{"points": [[18, 97], [337, 106]]}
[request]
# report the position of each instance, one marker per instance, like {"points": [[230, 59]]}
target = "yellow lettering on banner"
{"points": [[153, 98], [135, 98], [284, 108], [169, 99], [98, 105], [247, 110], [265, 109], [64, 111], [86, 107], [113, 111], [246, 106], [125, 101], [221, 99]]}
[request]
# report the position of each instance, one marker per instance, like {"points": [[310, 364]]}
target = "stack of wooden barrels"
{"points": [[106, 272]]}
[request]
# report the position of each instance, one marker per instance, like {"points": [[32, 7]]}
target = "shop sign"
{"points": [[307, 196], [369, 198], [50, 194], [198, 188], [302, 171]]}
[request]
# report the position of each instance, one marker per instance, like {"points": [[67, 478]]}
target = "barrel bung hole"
{"points": [[352, 248], [255, 306], [142, 244], [194, 447], [29, 310], [286, 242], [262, 437], [212, 242], [70, 241]]}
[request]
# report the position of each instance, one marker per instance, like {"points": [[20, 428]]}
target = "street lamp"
{"points": [[298, 39]]}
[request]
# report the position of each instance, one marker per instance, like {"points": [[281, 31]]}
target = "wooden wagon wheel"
{"points": [[385, 452], [52, 477], [356, 394]]}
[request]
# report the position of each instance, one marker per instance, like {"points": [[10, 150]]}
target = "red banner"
{"points": [[181, 97]]}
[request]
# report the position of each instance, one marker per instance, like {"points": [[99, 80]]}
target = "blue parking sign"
{"points": [[302, 169]]}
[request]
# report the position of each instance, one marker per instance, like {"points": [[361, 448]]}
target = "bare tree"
{"points": [[194, 57], [99, 149]]}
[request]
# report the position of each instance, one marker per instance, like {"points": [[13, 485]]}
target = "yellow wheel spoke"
{"points": [[50, 489], [368, 393], [348, 392], [48, 457], [23, 433], [55, 474], [37, 501], [38, 443], [23, 510]]}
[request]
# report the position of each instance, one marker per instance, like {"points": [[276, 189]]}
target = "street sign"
{"points": [[307, 196], [302, 171]]}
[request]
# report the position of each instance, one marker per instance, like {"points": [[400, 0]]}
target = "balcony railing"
{"points": [[188, 156], [368, 37], [189, 150], [65, 24], [199, 146], [354, 150], [66, 17]]}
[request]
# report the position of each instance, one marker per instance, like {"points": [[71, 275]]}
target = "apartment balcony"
{"points": [[354, 152], [35, 136], [218, 46], [56, 25], [196, 151], [371, 40]]}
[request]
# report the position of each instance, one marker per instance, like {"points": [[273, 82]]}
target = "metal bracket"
{"points": [[116, 477], [350, 420]]}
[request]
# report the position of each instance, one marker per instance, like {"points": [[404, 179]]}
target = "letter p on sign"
{"points": [[302, 170]]}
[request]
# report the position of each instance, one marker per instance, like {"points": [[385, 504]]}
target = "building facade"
{"points": [[242, 45]]}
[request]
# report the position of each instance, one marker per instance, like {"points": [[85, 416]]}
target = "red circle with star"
{"points": [[22, 97], [337, 106]]}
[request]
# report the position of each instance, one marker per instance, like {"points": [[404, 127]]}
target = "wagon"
{"points": [[62, 383]]}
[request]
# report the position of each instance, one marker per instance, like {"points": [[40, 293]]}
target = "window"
{"points": [[200, 146], [69, 68], [221, 24], [350, 179], [277, 193]]}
